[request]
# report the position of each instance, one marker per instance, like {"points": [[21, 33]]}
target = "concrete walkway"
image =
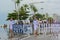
{"points": [[40, 37]]}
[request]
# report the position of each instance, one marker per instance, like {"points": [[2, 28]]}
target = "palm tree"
{"points": [[33, 8], [22, 14], [17, 2], [38, 16], [50, 20]]}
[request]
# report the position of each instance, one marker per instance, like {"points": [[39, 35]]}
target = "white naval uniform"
{"points": [[11, 23], [35, 23]]}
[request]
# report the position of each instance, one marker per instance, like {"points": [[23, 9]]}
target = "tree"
{"points": [[22, 14], [31, 19], [33, 8], [50, 20], [17, 2], [21, 11], [12, 15], [47, 15], [38, 16]]}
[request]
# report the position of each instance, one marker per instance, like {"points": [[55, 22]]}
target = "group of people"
{"points": [[35, 26], [11, 22]]}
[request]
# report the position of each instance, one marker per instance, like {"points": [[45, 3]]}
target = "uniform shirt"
{"points": [[35, 23], [11, 23]]}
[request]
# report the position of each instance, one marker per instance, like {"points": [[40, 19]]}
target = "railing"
{"points": [[22, 29], [43, 28]]}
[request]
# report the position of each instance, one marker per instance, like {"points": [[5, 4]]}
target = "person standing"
{"points": [[35, 25], [5, 26], [11, 22]]}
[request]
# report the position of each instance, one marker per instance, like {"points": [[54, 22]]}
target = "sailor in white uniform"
{"points": [[11, 22], [35, 24]]}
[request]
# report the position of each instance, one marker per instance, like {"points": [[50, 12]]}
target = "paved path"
{"points": [[40, 37]]}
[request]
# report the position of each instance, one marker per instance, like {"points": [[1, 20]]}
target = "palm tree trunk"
{"points": [[15, 5]]}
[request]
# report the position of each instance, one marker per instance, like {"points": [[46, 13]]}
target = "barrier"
{"points": [[50, 28], [22, 29], [18, 29], [43, 28], [27, 28]]}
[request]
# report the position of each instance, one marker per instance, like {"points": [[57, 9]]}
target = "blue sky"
{"points": [[6, 6], [50, 6]]}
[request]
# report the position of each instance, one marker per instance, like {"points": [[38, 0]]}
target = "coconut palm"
{"points": [[33, 8], [22, 14], [38, 16]]}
